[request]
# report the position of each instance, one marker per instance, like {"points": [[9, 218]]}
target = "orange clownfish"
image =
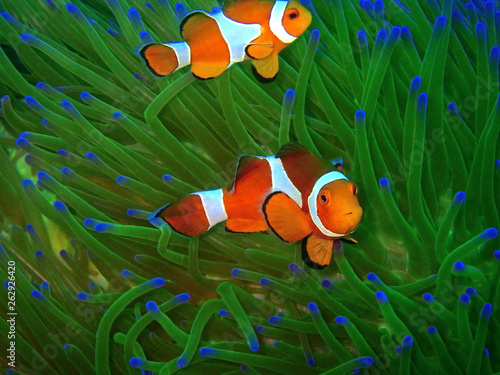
{"points": [[242, 29], [294, 193]]}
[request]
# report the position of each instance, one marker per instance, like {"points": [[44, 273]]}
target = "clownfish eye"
{"points": [[293, 13], [355, 190], [324, 199]]}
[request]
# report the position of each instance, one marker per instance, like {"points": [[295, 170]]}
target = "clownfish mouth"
{"points": [[349, 213]]}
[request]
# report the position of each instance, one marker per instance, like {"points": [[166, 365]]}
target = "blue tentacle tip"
{"points": [[313, 308], [67, 172], [289, 96], [182, 361], [236, 272], [121, 180], [85, 96], [102, 227], [381, 297], [459, 266], [82, 296], [373, 278], [157, 282], [365, 362], [208, 352], [275, 320], [73, 10], [44, 177], [59, 206], [182, 298], [37, 295], [432, 330], [127, 275], [253, 343], [167, 178], [428, 298], [460, 197], [360, 116], [22, 143], [490, 233], [92, 157], [136, 362], [152, 308], [265, 282], [486, 311], [342, 320], [29, 39], [496, 254], [384, 184], [465, 299], [407, 342], [327, 284], [27, 183]]}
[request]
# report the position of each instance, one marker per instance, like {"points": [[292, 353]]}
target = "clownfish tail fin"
{"points": [[165, 58], [194, 214]]}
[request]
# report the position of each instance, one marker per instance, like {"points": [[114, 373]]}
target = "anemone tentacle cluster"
{"points": [[91, 143]]}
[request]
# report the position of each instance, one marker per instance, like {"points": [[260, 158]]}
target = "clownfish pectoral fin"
{"points": [[266, 70], [259, 51], [350, 239], [246, 226], [161, 59], [316, 252], [285, 217], [186, 216]]}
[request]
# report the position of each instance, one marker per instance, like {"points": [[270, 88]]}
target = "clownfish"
{"points": [[242, 29], [294, 193]]}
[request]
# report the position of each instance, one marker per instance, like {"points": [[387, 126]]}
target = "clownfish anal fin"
{"points": [[316, 252], [245, 164], [160, 58], [257, 51], [245, 226], [285, 217], [266, 70]]}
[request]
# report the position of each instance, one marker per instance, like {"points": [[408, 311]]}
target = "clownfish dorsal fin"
{"points": [[317, 252], [230, 3], [285, 217], [292, 149], [192, 22], [266, 70], [245, 164], [198, 24], [339, 164]]}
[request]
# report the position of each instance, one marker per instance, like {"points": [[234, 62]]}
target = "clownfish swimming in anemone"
{"points": [[294, 193], [243, 29]]}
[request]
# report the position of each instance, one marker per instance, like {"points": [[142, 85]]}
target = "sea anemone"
{"points": [[91, 143]]}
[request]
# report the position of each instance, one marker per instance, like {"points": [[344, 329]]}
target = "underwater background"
{"points": [[91, 143]]}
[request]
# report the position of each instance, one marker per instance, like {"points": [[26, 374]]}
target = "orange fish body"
{"points": [[293, 193], [243, 29]]}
